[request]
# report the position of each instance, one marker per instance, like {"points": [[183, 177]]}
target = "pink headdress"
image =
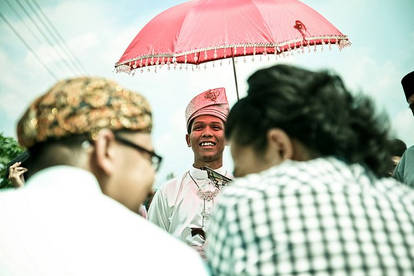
{"points": [[211, 102]]}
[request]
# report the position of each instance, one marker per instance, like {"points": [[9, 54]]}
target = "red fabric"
{"points": [[196, 25]]}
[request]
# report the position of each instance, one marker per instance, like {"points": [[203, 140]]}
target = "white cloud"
{"points": [[18, 86], [84, 43]]}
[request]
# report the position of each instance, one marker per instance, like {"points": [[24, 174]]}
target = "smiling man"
{"points": [[183, 205]]}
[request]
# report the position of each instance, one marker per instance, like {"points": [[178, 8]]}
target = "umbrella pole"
{"points": [[235, 77]]}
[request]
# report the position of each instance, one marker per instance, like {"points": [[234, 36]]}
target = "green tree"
{"points": [[9, 149]]}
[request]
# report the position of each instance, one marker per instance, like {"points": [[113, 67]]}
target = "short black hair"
{"points": [[315, 108], [60, 151], [398, 147], [54, 152]]}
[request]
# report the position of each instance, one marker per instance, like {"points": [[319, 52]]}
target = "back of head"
{"points": [[316, 109], [57, 123], [397, 147], [407, 83]]}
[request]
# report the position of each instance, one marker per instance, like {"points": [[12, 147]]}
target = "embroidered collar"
{"points": [[198, 174]]}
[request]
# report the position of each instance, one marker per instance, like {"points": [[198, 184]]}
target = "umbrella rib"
{"points": [[179, 33], [268, 29]]}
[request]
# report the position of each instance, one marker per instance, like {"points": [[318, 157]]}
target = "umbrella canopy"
{"points": [[205, 30]]}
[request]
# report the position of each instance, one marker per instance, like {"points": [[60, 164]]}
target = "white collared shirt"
{"points": [[177, 207], [61, 223]]}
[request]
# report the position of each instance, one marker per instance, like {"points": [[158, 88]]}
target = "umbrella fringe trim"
{"points": [[275, 49]]}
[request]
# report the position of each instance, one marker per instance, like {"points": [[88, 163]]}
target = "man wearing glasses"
{"points": [[91, 166], [183, 205], [404, 172]]}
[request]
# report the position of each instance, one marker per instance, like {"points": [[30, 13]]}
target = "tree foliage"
{"points": [[9, 149]]}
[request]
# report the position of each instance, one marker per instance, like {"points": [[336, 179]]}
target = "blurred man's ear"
{"points": [[104, 150], [187, 139], [279, 144]]}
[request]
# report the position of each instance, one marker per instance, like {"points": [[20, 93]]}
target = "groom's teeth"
{"points": [[207, 144]]}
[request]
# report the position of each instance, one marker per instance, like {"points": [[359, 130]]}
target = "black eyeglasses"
{"points": [[155, 158]]}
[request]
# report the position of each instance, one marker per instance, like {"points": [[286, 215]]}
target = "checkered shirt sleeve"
{"points": [[321, 217]]}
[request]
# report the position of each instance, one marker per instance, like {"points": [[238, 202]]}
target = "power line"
{"points": [[18, 15], [72, 69], [28, 47], [55, 33], [34, 34], [46, 37]]}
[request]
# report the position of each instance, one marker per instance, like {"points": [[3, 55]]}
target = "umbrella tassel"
{"points": [[254, 53]]}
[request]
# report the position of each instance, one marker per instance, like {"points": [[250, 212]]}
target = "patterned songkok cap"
{"points": [[211, 102], [83, 105]]}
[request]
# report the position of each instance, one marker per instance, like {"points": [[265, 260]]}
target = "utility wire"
{"points": [[24, 22], [34, 34], [28, 47], [55, 33], [46, 37]]}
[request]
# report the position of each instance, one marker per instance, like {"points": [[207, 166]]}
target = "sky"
{"points": [[98, 32]]}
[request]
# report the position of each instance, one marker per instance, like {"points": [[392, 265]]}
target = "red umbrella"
{"points": [[205, 30]]}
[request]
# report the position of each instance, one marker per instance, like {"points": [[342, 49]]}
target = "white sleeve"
{"points": [[158, 212]]}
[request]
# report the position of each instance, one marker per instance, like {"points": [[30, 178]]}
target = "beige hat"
{"points": [[83, 105]]}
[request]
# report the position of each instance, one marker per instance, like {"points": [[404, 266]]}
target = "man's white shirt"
{"points": [[177, 206], [61, 223]]}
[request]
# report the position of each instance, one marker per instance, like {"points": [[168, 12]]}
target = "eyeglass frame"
{"points": [[155, 158]]}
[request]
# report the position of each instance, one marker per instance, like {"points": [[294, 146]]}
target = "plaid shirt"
{"points": [[320, 217]]}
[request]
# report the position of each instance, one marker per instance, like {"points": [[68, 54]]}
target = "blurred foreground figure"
{"points": [[183, 205], [91, 165], [398, 147], [404, 171], [310, 199]]}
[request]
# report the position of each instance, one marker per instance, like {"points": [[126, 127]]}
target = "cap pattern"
{"points": [[83, 105]]}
